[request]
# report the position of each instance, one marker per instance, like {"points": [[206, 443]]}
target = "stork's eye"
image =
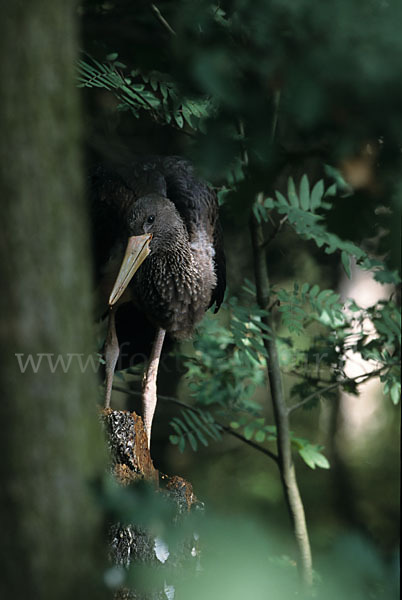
{"points": [[151, 219]]}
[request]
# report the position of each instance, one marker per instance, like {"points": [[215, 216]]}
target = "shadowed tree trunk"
{"points": [[50, 440]]}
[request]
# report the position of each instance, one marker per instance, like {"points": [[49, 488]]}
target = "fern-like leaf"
{"points": [[195, 426]]}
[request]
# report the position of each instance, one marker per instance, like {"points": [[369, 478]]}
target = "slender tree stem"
{"points": [[281, 414], [331, 386]]}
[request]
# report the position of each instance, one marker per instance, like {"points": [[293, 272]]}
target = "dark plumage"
{"points": [[174, 285], [171, 220]]}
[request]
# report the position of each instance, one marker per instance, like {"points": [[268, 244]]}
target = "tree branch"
{"points": [[162, 19], [275, 232], [198, 411], [334, 385]]}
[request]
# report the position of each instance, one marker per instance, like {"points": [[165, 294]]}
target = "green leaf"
{"points": [[322, 461], [252, 353], [193, 441], [304, 193], [260, 436], [304, 288], [191, 120], [340, 182], [176, 427], [174, 439], [182, 444], [154, 82], [249, 431], [292, 195], [180, 423], [313, 458], [386, 276], [188, 417], [331, 191], [316, 195], [324, 295], [202, 438], [215, 431], [179, 120], [281, 198], [198, 421], [112, 56]]}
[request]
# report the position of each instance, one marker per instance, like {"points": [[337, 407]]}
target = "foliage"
{"points": [[197, 426], [154, 92], [227, 367], [301, 206], [194, 426], [324, 304]]}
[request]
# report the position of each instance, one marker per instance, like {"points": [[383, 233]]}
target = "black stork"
{"points": [[158, 245]]}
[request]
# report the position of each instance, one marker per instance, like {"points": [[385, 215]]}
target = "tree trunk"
{"points": [[50, 440]]}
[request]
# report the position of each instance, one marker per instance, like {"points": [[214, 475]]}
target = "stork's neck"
{"points": [[174, 284], [173, 254]]}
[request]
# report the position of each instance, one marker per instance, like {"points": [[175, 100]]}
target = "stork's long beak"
{"points": [[136, 252]]}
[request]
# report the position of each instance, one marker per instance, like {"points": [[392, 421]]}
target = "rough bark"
{"points": [[50, 440], [128, 446], [130, 544]]}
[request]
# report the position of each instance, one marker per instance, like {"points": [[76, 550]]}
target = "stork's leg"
{"points": [[149, 384], [111, 355]]}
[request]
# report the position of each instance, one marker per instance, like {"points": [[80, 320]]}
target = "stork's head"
{"points": [[153, 224]]}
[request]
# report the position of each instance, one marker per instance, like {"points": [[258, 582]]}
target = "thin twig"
{"points": [[275, 232], [273, 304], [251, 443], [198, 411], [242, 144], [162, 19], [277, 99], [310, 379], [334, 385]]}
